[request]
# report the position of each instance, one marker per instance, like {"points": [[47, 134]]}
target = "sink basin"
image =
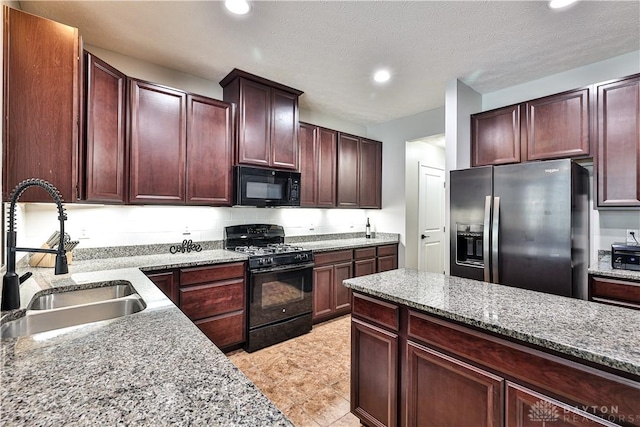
{"points": [[73, 308], [82, 296]]}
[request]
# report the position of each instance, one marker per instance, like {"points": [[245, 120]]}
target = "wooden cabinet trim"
{"points": [[333, 257], [571, 381], [377, 311], [195, 275], [381, 401]]}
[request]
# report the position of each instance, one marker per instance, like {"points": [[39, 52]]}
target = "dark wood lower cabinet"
{"points": [[442, 391], [624, 293], [167, 282], [224, 330], [330, 298], [526, 408], [374, 374], [451, 375]]}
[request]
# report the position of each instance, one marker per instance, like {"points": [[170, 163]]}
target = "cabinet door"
{"points": [[166, 282], [618, 143], [374, 375], [209, 151], [284, 130], [557, 126], [322, 291], [370, 181], [348, 173], [224, 330], [326, 169], [442, 391], [386, 263], [342, 303], [105, 134], [211, 299], [308, 164], [41, 105], [254, 124], [526, 408], [157, 144], [495, 136]]}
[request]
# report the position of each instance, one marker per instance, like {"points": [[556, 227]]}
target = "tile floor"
{"points": [[307, 377]]}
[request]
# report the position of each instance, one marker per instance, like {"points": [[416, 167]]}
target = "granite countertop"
{"points": [[598, 333], [154, 367], [603, 268]]}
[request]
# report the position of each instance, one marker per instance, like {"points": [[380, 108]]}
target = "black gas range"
{"points": [[279, 284]]}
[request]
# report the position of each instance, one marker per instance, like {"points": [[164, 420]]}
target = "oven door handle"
{"points": [[289, 267]]}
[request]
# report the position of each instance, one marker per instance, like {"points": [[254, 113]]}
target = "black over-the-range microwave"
{"points": [[264, 187]]}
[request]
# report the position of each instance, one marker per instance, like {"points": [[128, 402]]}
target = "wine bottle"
{"points": [[367, 230]]}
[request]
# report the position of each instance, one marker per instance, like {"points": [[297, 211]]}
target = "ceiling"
{"points": [[330, 49]]}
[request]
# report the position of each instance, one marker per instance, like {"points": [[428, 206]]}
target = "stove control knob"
{"points": [[260, 261]]}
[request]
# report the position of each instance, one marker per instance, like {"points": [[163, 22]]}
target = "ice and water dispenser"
{"points": [[469, 248]]}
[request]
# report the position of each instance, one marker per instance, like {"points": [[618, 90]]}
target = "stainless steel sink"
{"points": [[82, 296], [77, 308]]}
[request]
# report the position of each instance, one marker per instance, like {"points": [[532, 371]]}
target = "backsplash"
{"points": [[110, 226]]}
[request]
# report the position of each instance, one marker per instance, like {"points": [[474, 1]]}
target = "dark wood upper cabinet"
{"points": [[348, 170], [41, 105], [495, 136], [370, 186], [105, 134], [209, 151], [157, 144], [267, 120], [318, 166], [307, 136], [557, 126], [618, 143]]}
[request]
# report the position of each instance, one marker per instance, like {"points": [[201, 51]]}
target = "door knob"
{"points": [[422, 236]]}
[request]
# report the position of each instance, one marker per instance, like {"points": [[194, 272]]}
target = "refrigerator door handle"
{"points": [[485, 239], [495, 238]]}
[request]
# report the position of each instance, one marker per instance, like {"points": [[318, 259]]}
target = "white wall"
{"points": [[135, 225], [394, 135], [417, 152]]}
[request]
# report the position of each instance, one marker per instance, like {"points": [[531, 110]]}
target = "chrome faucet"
{"points": [[11, 281]]}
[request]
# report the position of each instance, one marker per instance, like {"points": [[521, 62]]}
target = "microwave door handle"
{"points": [[289, 184], [495, 240], [485, 239]]}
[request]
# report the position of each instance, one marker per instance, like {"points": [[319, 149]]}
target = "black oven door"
{"points": [[280, 293]]}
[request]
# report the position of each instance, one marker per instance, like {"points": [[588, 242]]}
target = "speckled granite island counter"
{"points": [[502, 349], [154, 367]]}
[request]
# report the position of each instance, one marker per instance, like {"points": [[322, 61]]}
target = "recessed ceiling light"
{"points": [[239, 7], [381, 76], [558, 4]]}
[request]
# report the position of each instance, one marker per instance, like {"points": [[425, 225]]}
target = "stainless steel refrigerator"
{"points": [[524, 225]]}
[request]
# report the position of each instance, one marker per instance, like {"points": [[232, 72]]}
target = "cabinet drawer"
{"points": [[387, 250], [193, 276], [208, 300], [333, 257], [617, 290], [364, 253], [379, 312], [224, 330]]}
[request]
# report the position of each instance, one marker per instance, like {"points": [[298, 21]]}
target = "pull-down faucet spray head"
{"points": [[11, 281]]}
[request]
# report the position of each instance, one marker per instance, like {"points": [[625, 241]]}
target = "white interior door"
{"points": [[431, 220]]}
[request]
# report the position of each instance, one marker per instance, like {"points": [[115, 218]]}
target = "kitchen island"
{"points": [[464, 352]]}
